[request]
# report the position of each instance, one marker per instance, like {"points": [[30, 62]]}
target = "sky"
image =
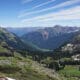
{"points": [[39, 13]]}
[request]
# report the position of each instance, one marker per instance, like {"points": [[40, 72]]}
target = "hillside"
{"points": [[15, 42], [70, 48], [50, 37], [14, 65], [21, 68], [73, 47], [69, 57]]}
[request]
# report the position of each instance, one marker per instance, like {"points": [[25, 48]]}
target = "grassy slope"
{"points": [[22, 69], [3, 49], [70, 73]]}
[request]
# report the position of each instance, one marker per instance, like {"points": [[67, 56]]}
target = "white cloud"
{"points": [[52, 23], [72, 13], [67, 3], [45, 3], [40, 5]]}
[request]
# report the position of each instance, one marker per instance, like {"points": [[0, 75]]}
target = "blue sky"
{"points": [[30, 13]]}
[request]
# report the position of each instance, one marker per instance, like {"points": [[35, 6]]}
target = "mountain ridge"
{"points": [[50, 37]]}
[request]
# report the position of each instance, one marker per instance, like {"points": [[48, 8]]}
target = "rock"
{"points": [[7, 78]]}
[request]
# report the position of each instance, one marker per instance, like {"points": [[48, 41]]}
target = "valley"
{"points": [[29, 61], [39, 39]]}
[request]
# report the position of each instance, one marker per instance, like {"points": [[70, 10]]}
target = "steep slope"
{"points": [[74, 45], [68, 49], [21, 68], [50, 37], [69, 57], [15, 42], [6, 51]]}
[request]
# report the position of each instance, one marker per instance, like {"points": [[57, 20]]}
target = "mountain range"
{"points": [[10, 41], [22, 30], [50, 37], [35, 61]]}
